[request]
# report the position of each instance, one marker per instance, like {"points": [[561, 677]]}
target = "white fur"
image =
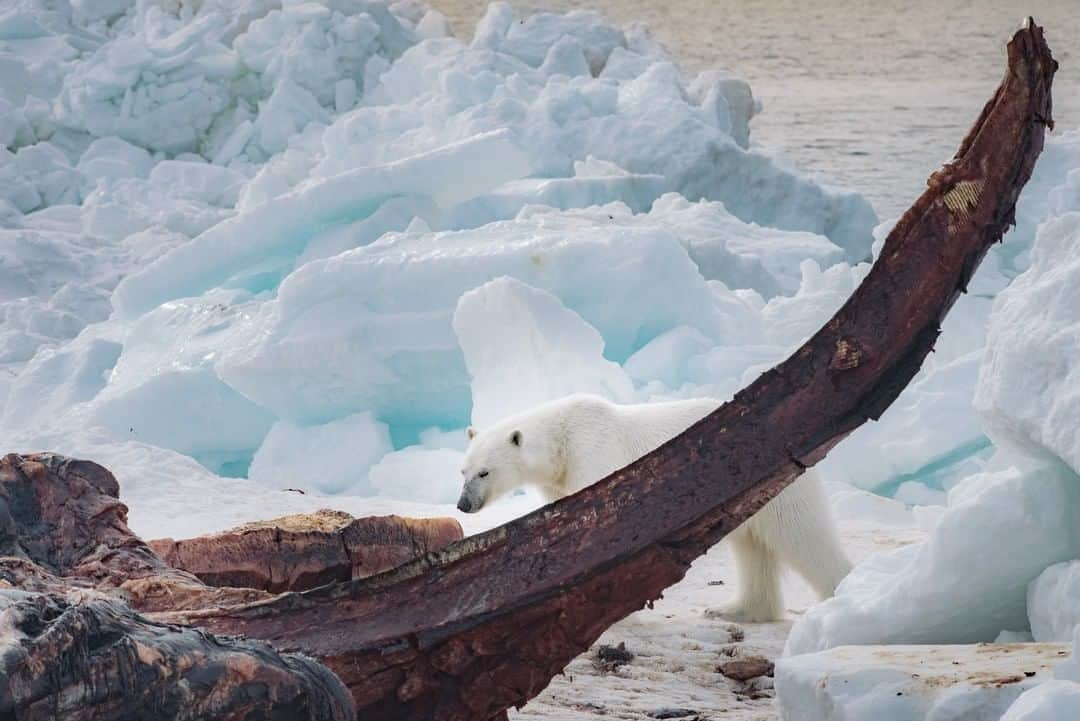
{"points": [[565, 445]]}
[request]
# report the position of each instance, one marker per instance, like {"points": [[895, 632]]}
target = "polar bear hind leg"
{"points": [[759, 598], [807, 542], [796, 529]]}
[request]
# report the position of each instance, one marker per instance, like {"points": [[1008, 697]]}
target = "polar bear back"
{"points": [[602, 437]]}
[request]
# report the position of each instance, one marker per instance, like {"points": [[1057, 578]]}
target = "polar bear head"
{"points": [[512, 453]]}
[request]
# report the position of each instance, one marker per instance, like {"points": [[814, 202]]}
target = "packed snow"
{"points": [[263, 257]]}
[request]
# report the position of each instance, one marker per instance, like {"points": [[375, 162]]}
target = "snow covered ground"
{"points": [[251, 248]]}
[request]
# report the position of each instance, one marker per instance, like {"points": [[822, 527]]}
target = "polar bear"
{"points": [[565, 445]]}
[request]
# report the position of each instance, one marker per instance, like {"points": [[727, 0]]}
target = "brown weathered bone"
{"points": [[295, 553], [486, 623], [483, 625], [95, 659], [71, 649], [63, 527]]}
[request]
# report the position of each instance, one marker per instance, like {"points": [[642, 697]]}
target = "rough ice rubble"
{"points": [[311, 130], [639, 114], [442, 94], [199, 80]]}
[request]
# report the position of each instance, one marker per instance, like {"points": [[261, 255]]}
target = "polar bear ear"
{"points": [[470, 432], [515, 438]]}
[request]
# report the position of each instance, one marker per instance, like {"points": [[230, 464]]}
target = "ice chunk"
{"points": [[636, 192], [56, 380], [200, 181], [207, 420], [162, 95], [915, 493], [168, 362], [433, 25], [850, 503], [523, 347], [1051, 701], [90, 11], [912, 683], [114, 158], [730, 98], [116, 210], [1029, 382], [565, 57], [1053, 602], [37, 176], [286, 226], [743, 255], [427, 475], [330, 458], [967, 581], [533, 39], [51, 289], [667, 357]]}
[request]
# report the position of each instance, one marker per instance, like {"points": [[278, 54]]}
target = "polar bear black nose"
{"points": [[464, 504]]}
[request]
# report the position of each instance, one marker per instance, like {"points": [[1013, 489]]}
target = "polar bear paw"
{"points": [[741, 612]]}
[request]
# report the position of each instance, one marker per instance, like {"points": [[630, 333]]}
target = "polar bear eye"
{"points": [[483, 474]]}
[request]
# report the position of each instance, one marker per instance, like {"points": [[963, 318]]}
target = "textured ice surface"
{"points": [[336, 456], [1053, 602], [1029, 385], [1051, 701], [523, 347], [915, 683], [969, 579]]}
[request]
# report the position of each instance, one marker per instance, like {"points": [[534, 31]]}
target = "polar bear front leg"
{"points": [[758, 569]]}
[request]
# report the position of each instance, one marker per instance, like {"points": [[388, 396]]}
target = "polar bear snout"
{"points": [[473, 494], [469, 502]]}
